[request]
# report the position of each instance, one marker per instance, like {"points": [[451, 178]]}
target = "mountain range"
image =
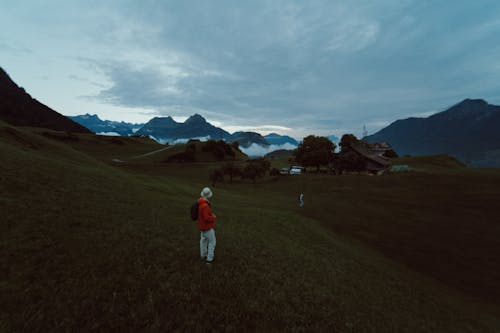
{"points": [[279, 140], [469, 130], [18, 108], [98, 126], [166, 129]]}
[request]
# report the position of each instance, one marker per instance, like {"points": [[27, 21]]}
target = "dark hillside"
{"points": [[246, 139], [18, 108]]}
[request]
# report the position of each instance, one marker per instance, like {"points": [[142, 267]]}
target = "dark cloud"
{"points": [[318, 65]]}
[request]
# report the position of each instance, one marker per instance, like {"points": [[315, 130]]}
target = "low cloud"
{"points": [[178, 141], [108, 134], [258, 150]]}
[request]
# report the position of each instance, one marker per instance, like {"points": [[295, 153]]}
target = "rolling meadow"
{"points": [[95, 235]]}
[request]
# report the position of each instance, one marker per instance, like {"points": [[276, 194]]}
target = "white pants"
{"points": [[207, 242]]}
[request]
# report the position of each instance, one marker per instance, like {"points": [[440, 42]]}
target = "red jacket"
{"points": [[206, 220]]}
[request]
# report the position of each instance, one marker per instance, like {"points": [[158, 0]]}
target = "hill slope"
{"points": [[18, 108], [112, 249], [466, 130], [246, 139]]}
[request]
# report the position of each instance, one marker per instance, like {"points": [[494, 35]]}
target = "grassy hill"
{"points": [[91, 245], [432, 163]]}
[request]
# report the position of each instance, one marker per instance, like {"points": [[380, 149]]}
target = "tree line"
{"points": [[318, 151], [253, 169]]}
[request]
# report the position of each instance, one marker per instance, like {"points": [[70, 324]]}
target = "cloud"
{"points": [[108, 133], [269, 65], [178, 141], [298, 67], [258, 150]]}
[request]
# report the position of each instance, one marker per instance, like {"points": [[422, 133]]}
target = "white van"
{"points": [[296, 170]]}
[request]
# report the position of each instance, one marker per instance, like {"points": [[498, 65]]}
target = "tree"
{"points": [[235, 145], [231, 169], [274, 172], [346, 141], [348, 159], [216, 176], [262, 164], [250, 171], [315, 151]]}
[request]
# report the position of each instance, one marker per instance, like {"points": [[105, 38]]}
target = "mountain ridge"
{"points": [[465, 130], [167, 129], [18, 108], [99, 126]]}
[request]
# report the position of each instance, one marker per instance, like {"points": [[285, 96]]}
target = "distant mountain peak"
{"points": [[196, 118], [467, 109], [163, 120], [90, 116], [470, 101], [165, 128]]}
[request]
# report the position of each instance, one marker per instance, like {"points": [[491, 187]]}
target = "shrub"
{"points": [[274, 172]]}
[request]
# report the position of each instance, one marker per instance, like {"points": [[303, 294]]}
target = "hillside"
{"points": [[467, 130], [280, 153], [194, 151], [87, 245], [246, 139], [18, 108], [433, 163]]}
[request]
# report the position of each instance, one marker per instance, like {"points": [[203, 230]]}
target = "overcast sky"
{"points": [[292, 67]]}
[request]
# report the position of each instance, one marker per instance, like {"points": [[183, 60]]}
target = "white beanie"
{"points": [[206, 193]]}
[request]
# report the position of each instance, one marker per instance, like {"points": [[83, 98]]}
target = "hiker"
{"points": [[301, 199], [206, 222]]}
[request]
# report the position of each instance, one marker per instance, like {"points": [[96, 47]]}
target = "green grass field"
{"points": [[88, 244]]}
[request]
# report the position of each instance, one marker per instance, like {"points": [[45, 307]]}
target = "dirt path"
{"points": [[143, 155], [151, 153]]}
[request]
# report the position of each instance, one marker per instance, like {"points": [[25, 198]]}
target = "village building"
{"points": [[374, 156]]}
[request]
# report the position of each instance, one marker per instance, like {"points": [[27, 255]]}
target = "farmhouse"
{"points": [[374, 156]]}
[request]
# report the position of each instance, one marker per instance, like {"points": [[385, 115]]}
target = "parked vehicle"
{"points": [[296, 170], [284, 171]]}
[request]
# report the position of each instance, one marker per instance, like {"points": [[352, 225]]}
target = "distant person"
{"points": [[301, 199], [206, 223]]}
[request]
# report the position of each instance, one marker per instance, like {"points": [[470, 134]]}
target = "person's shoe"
{"points": [[210, 262]]}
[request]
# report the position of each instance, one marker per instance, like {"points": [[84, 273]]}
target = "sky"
{"points": [[292, 67]]}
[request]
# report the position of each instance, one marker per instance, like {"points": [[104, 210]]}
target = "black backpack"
{"points": [[194, 211]]}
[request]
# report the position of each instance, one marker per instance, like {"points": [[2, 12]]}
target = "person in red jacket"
{"points": [[206, 223]]}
